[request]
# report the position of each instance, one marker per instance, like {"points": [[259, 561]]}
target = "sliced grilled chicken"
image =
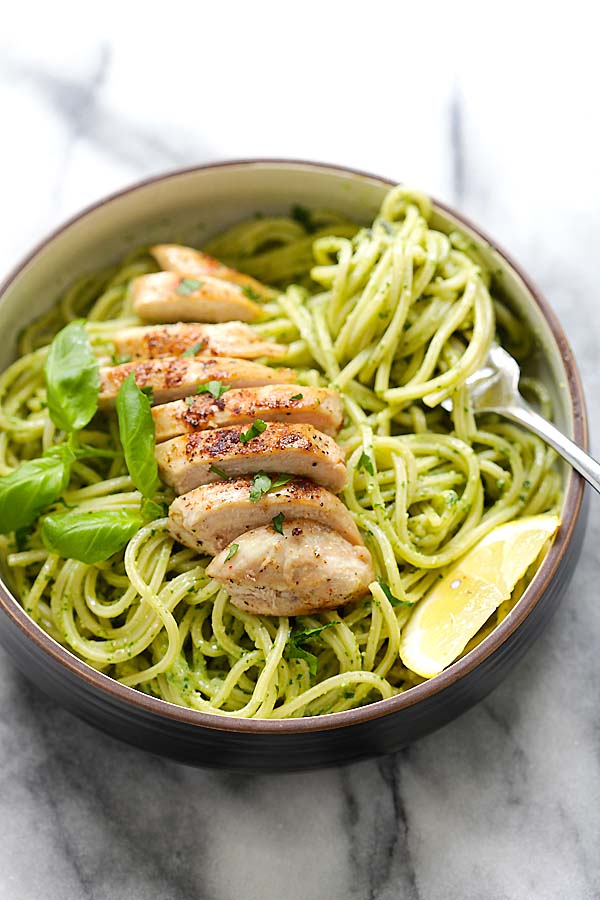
{"points": [[212, 516], [187, 261], [190, 460], [320, 407], [172, 378], [221, 339], [306, 568], [167, 297]]}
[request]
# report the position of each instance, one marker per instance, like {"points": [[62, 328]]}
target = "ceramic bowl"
{"points": [[189, 206]]}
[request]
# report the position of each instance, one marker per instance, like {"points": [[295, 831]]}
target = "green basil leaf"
{"points": [[297, 397], [233, 549], [278, 521], [292, 651], [215, 388], [280, 481], [195, 348], [395, 601], [250, 294], [257, 427], [72, 378], [303, 216], [136, 428], [90, 537], [300, 636], [365, 462], [188, 286], [261, 483], [32, 487]]}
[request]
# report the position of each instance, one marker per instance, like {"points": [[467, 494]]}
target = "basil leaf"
{"points": [[395, 601], [90, 537], [72, 378], [280, 481], [233, 549], [215, 388], [365, 462], [136, 428], [297, 397], [188, 286], [261, 483], [278, 521], [293, 650], [196, 348], [302, 215], [257, 427], [32, 487], [250, 294], [311, 632]]}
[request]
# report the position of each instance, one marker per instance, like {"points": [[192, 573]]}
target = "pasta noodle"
{"points": [[396, 316]]}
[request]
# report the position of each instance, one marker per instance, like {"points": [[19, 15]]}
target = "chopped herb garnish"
{"points": [[395, 601], [192, 351], [293, 650], [297, 397], [365, 463], [215, 388], [121, 360], [233, 549], [257, 427], [261, 484], [280, 481], [188, 286], [249, 293], [190, 401], [303, 216], [219, 472], [278, 522]]}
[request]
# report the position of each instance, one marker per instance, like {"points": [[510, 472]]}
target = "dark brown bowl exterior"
{"points": [[383, 727]]}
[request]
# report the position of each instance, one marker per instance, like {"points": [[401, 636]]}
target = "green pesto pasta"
{"points": [[396, 316]]}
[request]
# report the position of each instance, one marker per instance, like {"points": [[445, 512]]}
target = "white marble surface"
{"points": [[495, 112]]}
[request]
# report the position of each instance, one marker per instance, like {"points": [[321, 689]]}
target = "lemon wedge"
{"points": [[448, 617]]}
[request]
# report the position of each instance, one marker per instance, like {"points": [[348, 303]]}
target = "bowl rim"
{"points": [[149, 705]]}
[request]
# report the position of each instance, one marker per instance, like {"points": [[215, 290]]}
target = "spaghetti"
{"points": [[396, 317]]}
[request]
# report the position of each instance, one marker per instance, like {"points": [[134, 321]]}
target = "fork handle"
{"points": [[578, 458]]}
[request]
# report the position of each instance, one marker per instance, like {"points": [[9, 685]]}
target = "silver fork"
{"points": [[495, 388]]}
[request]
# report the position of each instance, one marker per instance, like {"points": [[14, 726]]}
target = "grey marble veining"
{"points": [[502, 804]]}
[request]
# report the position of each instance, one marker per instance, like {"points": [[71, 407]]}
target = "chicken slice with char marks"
{"points": [[219, 339], [167, 297], [189, 262], [190, 460], [320, 407], [210, 517], [306, 568], [172, 378]]}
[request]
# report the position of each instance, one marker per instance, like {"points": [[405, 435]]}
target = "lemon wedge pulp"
{"points": [[446, 619]]}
